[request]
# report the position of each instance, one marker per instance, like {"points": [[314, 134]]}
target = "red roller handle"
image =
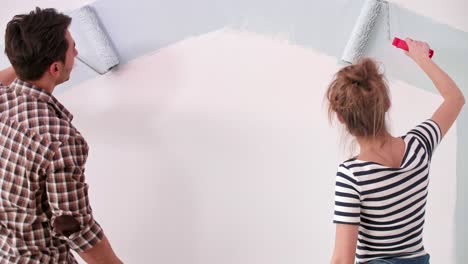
{"points": [[399, 43]]}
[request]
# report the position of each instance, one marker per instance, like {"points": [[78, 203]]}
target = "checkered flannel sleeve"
{"points": [[67, 193]]}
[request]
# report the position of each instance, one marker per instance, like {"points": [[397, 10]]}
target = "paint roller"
{"points": [[94, 46], [362, 30]]}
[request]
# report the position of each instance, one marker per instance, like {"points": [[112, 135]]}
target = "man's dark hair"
{"points": [[34, 41]]}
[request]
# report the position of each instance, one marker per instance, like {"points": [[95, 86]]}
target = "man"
{"points": [[44, 207]]}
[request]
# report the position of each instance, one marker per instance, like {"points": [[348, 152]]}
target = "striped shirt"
{"points": [[42, 163], [388, 203]]}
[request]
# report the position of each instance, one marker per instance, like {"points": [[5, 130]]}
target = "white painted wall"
{"points": [[217, 150]]}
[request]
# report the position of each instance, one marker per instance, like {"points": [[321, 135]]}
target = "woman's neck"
{"points": [[374, 143], [383, 149]]}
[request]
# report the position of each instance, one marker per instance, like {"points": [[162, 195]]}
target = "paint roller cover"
{"points": [[94, 47], [362, 30]]}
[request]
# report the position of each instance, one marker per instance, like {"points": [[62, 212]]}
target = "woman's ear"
{"points": [[338, 116], [388, 104]]}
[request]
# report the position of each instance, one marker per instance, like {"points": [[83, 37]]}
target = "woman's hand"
{"points": [[418, 50]]}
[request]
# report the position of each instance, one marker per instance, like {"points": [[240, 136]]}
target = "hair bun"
{"points": [[359, 96], [360, 73]]}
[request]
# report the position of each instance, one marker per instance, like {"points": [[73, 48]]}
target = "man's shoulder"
{"points": [[50, 124], [37, 115]]}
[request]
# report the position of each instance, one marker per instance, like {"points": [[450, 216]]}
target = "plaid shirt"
{"points": [[42, 159]]}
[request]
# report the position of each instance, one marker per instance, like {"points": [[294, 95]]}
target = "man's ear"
{"points": [[54, 69]]}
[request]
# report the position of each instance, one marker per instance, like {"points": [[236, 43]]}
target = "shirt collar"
{"points": [[41, 95]]}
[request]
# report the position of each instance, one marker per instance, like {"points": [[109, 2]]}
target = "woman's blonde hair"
{"points": [[359, 95]]}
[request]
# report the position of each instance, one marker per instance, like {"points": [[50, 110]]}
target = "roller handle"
{"points": [[399, 43]]}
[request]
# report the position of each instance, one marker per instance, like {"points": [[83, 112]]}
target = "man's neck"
{"points": [[44, 84]]}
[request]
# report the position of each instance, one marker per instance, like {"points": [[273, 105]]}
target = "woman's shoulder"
{"points": [[349, 163], [347, 166]]}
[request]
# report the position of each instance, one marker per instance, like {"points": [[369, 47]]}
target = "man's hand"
{"points": [[7, 76], [101, 253]]}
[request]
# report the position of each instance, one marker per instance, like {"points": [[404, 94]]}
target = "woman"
{"points": [[380, 195]]}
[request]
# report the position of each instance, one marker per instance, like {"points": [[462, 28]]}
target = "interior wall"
{"points": [[217, 150]]}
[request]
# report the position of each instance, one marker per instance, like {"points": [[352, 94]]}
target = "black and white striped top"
{"points": [[388, 203]]}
